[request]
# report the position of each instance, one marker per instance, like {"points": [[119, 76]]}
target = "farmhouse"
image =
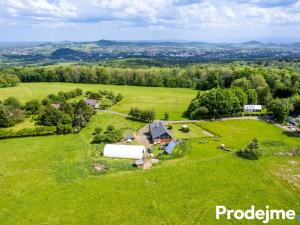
{"points": [[92, 102], [124, 151], [252, 108], [159, 133]]}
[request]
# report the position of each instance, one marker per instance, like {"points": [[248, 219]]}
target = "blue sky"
{"points": [[192, 20]]}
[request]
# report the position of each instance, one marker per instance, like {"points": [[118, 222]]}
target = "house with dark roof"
{"points": [[92, 102], [159, 133]]}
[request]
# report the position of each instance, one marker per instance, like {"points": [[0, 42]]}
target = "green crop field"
{"points": [[171, 100], [50, 179]]}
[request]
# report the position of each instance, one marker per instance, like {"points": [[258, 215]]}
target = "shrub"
{"points": [[64, 129], [27, 132], [110, 128], [33, 106], [98, 130], [251, 151]]}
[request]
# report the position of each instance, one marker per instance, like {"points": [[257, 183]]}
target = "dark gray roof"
{"points": [[169, 149], [157, 129]]}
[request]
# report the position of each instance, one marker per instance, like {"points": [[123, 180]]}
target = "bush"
{"points": [[251, 151], [110, 136], [13, 102], [64, 129], [33, 106], [110, 128], [27, 132], [98, 130]]}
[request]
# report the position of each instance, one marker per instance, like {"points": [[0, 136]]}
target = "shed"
{"points": [[171, 146], [56, 105], [92, 102], [124, 151], [252, 108]]}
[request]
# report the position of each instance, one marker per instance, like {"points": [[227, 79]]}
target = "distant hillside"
{"points": [[65, 53]]}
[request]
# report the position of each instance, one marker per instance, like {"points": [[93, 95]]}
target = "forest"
{"points": [[274, 84]]}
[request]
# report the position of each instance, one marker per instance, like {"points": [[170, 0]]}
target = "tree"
{"points": [[33, 106], [280, 107], [243, 83], [166, 116], [251, 151], [12, 101], [252, 96], [5, 118], [296, 102], [217, 103]]}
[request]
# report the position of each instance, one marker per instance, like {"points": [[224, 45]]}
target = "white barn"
{"points": [[124, 151], [252, 108]]}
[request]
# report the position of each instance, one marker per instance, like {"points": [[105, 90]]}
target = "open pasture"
{"points": [[172, 100], [48, 180]]}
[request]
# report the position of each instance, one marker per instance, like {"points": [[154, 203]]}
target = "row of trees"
{"points": [[278, 80], [8, 80], [147, 115]]}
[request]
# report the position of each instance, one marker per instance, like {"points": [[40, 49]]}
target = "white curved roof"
{"points": [[124, 151]]}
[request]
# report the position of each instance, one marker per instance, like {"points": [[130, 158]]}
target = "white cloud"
{"points": [[152, 14]]}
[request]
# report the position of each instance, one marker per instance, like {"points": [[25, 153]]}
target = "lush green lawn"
{"points": [[195, 131], [171, 100], [48, 180]]}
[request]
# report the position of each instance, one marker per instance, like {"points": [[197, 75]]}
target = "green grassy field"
{"points": [[171, 100], [195, 131], [48, 180]]}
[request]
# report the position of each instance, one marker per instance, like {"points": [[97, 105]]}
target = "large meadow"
{"points": [[49, 180]]}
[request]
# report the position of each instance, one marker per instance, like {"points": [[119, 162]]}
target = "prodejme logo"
{"points": [[265, 215]]}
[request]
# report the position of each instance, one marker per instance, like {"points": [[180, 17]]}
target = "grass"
{"points": [[48, 180], [195, 132], [171, 100]]}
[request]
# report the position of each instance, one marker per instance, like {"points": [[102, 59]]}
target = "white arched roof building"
{"points": [[124, 151]]}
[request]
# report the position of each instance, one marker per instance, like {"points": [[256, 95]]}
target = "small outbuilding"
{"points": [[293, 121], [124, 151], [92, 102], [171, 146], [252, 108]]}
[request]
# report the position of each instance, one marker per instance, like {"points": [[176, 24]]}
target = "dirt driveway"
{"points": [[142, 136]]}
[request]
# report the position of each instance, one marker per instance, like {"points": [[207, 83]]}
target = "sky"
{"points": [[189, 20]]}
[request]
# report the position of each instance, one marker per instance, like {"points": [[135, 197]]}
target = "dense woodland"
{"points": [[224, 87]]}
